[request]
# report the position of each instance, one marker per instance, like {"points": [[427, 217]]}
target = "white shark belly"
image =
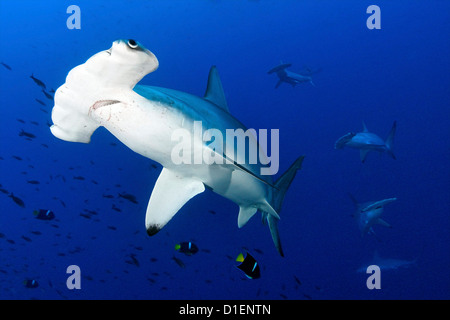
{"points": [[147, 128]]}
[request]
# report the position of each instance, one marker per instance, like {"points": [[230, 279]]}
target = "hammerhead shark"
{"points": [[152, 120], [388, 263], [291, 77], [369, 213], [367, 141]]}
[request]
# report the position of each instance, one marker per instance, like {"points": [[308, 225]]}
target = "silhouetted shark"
{"points": [[366, 141], [369, 213], [291, 77], [387, 263]]}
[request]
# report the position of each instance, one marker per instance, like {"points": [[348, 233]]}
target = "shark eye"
{"points": [[132, 44]]}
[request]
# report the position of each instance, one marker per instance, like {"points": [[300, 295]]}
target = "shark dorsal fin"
{"points": [[364, 127], [214, 91]]}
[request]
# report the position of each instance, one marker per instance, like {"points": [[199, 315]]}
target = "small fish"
{"points": [[128, 197], [5, 65], [78, 178], [91, 211], [188, 248], [249, 266], [20, 120], [26, 238], [17, 158], [43, 214], [33, 182], [38, 82], [178, 262], [29, 283], [115, 208], [133, 260], [17, 200], [108, 196], [40, 102], [47, 95], [84, 215], [298, 281]]}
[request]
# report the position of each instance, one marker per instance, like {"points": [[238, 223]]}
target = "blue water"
{"points": [[400, 72]]}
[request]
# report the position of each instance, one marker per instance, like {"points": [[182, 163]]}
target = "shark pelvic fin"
{"points": [[170, 193], [245, 213], [214, 91]]}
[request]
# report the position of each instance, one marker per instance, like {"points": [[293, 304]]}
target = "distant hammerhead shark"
{"points": [[291, 77], [369, 213], [366, 141], [104, 92], [387, 263]]}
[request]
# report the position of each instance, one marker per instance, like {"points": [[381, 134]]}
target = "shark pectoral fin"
{"points": [[245, 213], [278, 83], [170, 193], [383, 223], [363, 154]]}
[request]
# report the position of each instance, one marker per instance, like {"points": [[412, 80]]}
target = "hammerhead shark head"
{"points": [[104, 92], [369, 213], [291, 77], [367, 141]]}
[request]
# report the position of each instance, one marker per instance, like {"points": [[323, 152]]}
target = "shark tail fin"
{"points": [[390, 141], [281, 185]]}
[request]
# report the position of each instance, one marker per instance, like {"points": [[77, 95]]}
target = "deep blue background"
{"points": [[401, 72]]}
